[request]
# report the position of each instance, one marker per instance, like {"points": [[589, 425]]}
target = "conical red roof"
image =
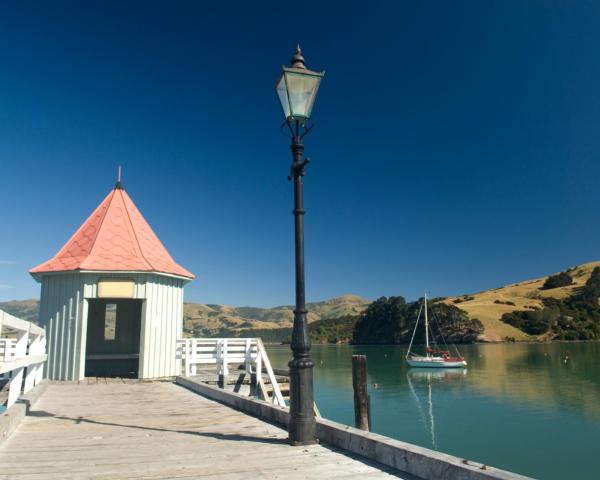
{"points": [[116, 237]]}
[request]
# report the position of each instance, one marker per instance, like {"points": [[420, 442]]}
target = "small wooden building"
{"points": [[112, 298]]}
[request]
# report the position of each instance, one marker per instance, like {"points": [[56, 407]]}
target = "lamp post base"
{"points": [[302, 426]]}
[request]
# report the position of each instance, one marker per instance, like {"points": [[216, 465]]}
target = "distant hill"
{"points": [[213, 319], [24, 309], [489, 306]]}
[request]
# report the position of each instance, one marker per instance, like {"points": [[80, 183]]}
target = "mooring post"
{"points": [[222, 365], [361, 392]]}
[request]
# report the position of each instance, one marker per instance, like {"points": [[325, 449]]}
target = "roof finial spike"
{"points": [[119, 185], [298, 59]]}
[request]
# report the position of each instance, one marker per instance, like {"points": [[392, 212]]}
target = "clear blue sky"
{"points": [[456, 148]]}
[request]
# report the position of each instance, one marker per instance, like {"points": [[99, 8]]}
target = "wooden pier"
{"points": [[128, 429], [196, 426]]}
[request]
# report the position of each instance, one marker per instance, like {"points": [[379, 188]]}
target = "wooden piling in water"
{"points": [[361, 392]]}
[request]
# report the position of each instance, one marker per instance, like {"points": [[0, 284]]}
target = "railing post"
{"points": [[361, 392], [248, 355], [192, 354], [224, 369], [15, 383], [178, 358], [219, 363], [225, 359], [39, 371], [257, 373], [32, 369], [185, 354]]}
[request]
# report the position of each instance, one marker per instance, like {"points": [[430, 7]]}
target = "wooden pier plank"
{"points": [[158, 430]]}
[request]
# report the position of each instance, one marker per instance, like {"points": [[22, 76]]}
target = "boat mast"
{"points": [[426, 328]]}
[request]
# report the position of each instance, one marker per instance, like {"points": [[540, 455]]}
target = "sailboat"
{"points": [[434, 357]]}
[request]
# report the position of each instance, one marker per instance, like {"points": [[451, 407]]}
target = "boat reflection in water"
{"points": [[428, 376]]}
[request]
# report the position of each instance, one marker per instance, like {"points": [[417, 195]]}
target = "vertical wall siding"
{"points": [[61, 314], [161, 326], [64, 310], [79, 352]]}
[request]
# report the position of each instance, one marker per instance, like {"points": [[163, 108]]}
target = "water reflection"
{"points": [[440, 374], [502, 411], [557, 375], [553, 375], [428, 377]]}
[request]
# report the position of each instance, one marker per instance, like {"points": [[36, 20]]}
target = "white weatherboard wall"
{"points": [[162, 325], [61, 312], [64, 313]]}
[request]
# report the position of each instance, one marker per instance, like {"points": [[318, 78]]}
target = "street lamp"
{"points": [[297, 88]]}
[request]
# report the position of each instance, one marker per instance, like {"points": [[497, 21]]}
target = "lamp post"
{"points": [[297, 88]]}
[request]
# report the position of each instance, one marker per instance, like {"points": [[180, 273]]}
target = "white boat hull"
{"points": [[435, 362]]}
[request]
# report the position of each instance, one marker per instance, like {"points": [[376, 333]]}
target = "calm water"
{"points": [[530, 408]]}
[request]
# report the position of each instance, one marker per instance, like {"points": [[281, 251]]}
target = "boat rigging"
{"points": [[434, 357]]}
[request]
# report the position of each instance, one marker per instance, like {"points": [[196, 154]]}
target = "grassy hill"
{"points": [[25, 309], [490, 305], [210, 319]]}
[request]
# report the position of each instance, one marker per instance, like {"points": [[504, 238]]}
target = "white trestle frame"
{"points": [[223, 352], [22, 355]]}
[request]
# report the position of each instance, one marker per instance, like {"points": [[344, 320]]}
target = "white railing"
{"points": [[223, 352], [22, 355]]}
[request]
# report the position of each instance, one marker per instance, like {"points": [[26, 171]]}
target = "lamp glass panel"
{"points": [[283, 97], [302, 90]]}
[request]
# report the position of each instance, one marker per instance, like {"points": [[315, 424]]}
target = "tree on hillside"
{"points": [[392, 320], [561, 279], [382, 322], [333, 330], [590, 292], [574, 318], [534, 322], [454, 324]]}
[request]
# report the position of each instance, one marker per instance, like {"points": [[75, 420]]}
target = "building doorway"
{"points": [[113, 338]]}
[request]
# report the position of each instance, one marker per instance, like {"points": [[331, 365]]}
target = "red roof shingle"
{"points": [[115, 237]]}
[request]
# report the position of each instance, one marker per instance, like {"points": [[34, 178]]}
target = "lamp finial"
{"points": [[119, 185], [298, 59]]}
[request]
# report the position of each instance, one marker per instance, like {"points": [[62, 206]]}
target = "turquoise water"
{"points": [[529, 408]]}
